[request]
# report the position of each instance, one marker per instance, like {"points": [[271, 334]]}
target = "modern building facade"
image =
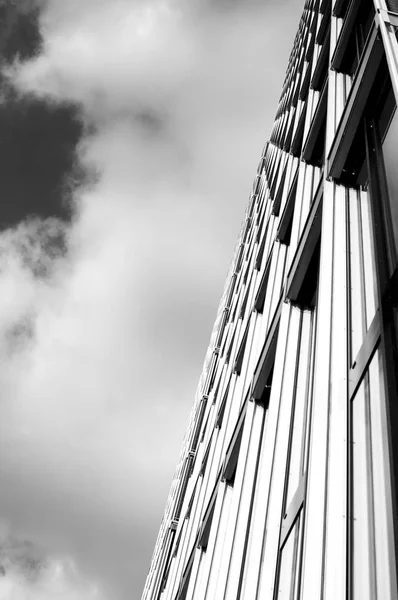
{"points": [[287, 482]]}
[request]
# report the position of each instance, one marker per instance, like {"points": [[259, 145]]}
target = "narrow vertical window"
{"points": [[390, 154]]}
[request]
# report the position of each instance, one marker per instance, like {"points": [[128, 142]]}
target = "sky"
{"points": [[130, 135]]}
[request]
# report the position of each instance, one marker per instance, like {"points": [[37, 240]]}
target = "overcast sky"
{"points": [[130, 132]]}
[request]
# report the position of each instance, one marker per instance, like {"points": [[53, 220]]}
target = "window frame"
{"points": [[305, 250], [366, 111]]}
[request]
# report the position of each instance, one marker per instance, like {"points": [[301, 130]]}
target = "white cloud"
{"points": [[102, 345], [112, 56], [26, 575]]}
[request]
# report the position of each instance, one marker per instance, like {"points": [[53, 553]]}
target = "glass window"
{"points": [[357, 32], [381, 481], [288, 578], [290, 564], [296, 463], [392, 5], [370, 550], [363, 287], [390, 153], [362, 522]]}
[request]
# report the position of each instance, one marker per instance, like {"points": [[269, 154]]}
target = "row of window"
{"points": [[265, 369], [362, 154]]}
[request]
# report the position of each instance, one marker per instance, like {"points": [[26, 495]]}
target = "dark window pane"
{"points": [[390, 151]]}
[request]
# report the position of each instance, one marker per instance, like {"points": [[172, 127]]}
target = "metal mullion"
{"points": [[278, 281], [221, 328], [357, 224], [232, 453], [198, 424], [165, 567], [269, 296], [242, 439], [367, 303], [383, 246], [259, 298], [186, 575], [290, 175], [325, 6], [241, 349], [370, 467], [289, 516], [379, 198], [252, 498], [248, 454], [321, 63], [364, 356], [293, 511], [369, 275], [266, 358], [340, 8], [320, 36], [315, 127], [177, 565], [345, 34], [287, 215], [204, 529], [214, 554], [278, 196], [195, 581], [222, 405], [387, 22], [349, 504], [356, 319], [355, 105], [297, 142], [305, 248], [302, 402], [184, 565], [280, 404]]}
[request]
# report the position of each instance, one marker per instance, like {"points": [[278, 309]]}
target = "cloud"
{"points": [[104, 321], [25, 574], [111, 56]]}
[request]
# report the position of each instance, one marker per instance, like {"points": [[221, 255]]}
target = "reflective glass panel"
{"points": [[385, 559], [362, 523], [303, 390], [390, 152], [363, 289], [372, 557]]}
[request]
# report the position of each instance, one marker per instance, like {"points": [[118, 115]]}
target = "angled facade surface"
{"points": [[286, 485]]}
